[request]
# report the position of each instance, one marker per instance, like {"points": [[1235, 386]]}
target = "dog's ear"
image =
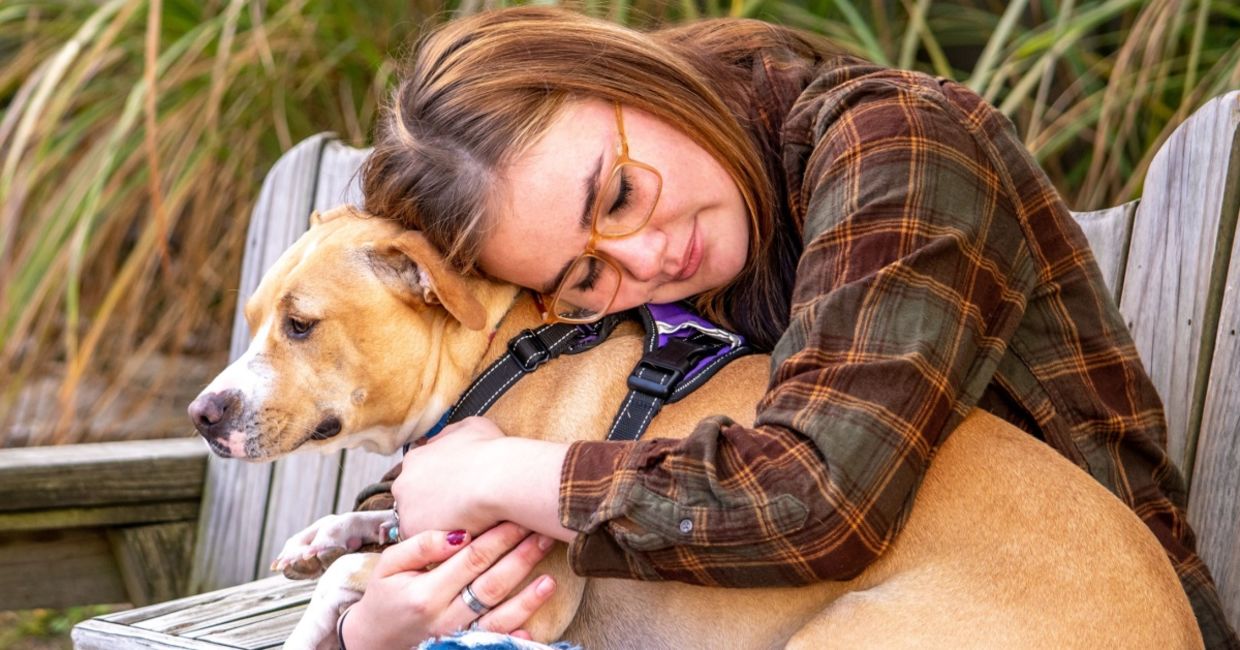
{"points": [[412, 267]]}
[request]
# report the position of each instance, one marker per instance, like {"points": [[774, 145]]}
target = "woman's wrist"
{"points": [[340, 631], [523, 485]]}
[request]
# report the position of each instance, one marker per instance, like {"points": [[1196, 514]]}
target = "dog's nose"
{"points": [[211, 412]]}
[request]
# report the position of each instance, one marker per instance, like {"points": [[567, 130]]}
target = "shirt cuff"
{"points": [[596, 482]]}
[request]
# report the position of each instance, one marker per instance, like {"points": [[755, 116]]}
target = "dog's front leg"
{"points": [[341, 585], [308, 553]]}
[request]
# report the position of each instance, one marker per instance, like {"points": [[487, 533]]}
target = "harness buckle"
{"points": [[529, 351], [669, 364]]}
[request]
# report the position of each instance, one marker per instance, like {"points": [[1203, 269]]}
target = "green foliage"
{"points": [[44, 628], [123, 207]]}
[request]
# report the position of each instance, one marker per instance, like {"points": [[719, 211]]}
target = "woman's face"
{"points": [[697, 238]]}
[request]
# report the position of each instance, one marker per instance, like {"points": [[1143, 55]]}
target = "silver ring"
{"points": [[477, 606]]}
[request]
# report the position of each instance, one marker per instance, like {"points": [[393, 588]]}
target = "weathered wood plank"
{"points": [[58, 569], [1214, 501], [235, 501], [1108, 232], [1170, 296], [99, 634], [340, 176], [61, 518], [258, 631], [154, 560], [105, 473], [176, 616]]}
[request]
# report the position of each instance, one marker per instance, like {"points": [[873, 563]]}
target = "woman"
{"points": [[883, 233]]}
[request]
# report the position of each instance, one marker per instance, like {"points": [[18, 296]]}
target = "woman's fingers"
{"points": [[421, 550], [493, 586], [514, 612], [463, 568]]}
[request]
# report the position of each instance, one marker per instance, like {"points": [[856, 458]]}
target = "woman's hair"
{"points": [[482, 89]]}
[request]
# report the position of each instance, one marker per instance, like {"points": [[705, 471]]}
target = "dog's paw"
{"points": [[308, 553]]}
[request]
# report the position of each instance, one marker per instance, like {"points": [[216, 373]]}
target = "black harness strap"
{"points": [[526, 352]]}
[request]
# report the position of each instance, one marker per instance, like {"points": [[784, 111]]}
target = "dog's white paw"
{"points": [[340, 586], [308, 553]]}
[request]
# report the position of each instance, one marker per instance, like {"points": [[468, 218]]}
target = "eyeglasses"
{"points": [[620, 209]]}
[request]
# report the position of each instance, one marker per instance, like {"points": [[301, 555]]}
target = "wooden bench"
{"points": [[1171, 261]]}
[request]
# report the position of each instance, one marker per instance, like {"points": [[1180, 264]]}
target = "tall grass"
{"points": [[135, 134]]}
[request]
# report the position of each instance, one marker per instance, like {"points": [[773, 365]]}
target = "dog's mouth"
{"points": [[218, 448], [327, 429]]}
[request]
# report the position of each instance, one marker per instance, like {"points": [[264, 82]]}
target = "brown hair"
{"points": [[482, 89]]}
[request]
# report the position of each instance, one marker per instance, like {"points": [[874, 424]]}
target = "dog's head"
{"points": [[363, 335]]}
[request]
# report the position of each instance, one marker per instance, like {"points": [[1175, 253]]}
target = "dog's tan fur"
{"points": [[1008, 543]]}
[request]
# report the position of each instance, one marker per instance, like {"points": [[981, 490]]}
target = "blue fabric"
{"points": [[478, 640]]}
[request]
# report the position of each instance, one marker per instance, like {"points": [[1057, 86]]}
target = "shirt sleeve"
{"points": [[914, 275]]}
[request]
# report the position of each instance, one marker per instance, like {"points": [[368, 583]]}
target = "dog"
{"points": [[364, 336]]}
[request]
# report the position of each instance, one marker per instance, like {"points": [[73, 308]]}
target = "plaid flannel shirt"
{"points": [[940, 271]]}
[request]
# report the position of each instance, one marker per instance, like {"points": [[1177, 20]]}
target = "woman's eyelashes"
{"points": [[622, 196], [594, 268]]}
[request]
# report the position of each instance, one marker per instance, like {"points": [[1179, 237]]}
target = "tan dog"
{"points": [[364, 337]]}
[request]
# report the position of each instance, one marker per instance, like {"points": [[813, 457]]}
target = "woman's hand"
{"points": [[471, 476], [406, 603]]}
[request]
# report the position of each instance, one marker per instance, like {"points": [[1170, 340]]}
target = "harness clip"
{"points": [[529, 351]]}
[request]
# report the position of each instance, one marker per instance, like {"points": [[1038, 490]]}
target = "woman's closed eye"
{"points": [[623, 195], [594, 269]]}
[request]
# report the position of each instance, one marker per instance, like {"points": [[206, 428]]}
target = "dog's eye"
{"points": [[298, 329]]}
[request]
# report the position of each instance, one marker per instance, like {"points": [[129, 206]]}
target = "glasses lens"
{"points": [[587, 290], [627, 200]]}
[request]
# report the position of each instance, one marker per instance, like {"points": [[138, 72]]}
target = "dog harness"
{"points": [[681, 351]]}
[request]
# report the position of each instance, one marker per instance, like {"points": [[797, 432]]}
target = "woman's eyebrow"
{"points": [[591, 183]]}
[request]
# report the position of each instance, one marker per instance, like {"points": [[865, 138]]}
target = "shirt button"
{"points": [[686, 526]]}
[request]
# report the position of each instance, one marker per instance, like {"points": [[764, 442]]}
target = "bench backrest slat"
{"points": [[1108, 232], [1214, 500], [1171, 286]]}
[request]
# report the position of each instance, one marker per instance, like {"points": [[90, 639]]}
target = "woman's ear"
{"points": [[412, 268]]}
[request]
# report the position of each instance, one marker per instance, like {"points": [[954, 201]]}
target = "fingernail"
{"points": [[456, 537], [544, 542], [545, 586]]}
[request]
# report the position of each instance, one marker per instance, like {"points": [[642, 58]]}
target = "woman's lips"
{"points": [[693, 257]]}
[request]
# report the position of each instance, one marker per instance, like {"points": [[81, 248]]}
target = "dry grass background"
{"points": [[134, 135]]}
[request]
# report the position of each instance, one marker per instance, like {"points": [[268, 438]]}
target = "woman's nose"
{"points": [[640, 255]]}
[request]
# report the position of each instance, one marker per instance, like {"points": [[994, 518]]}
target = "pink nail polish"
{"points": [[456, 537]]}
